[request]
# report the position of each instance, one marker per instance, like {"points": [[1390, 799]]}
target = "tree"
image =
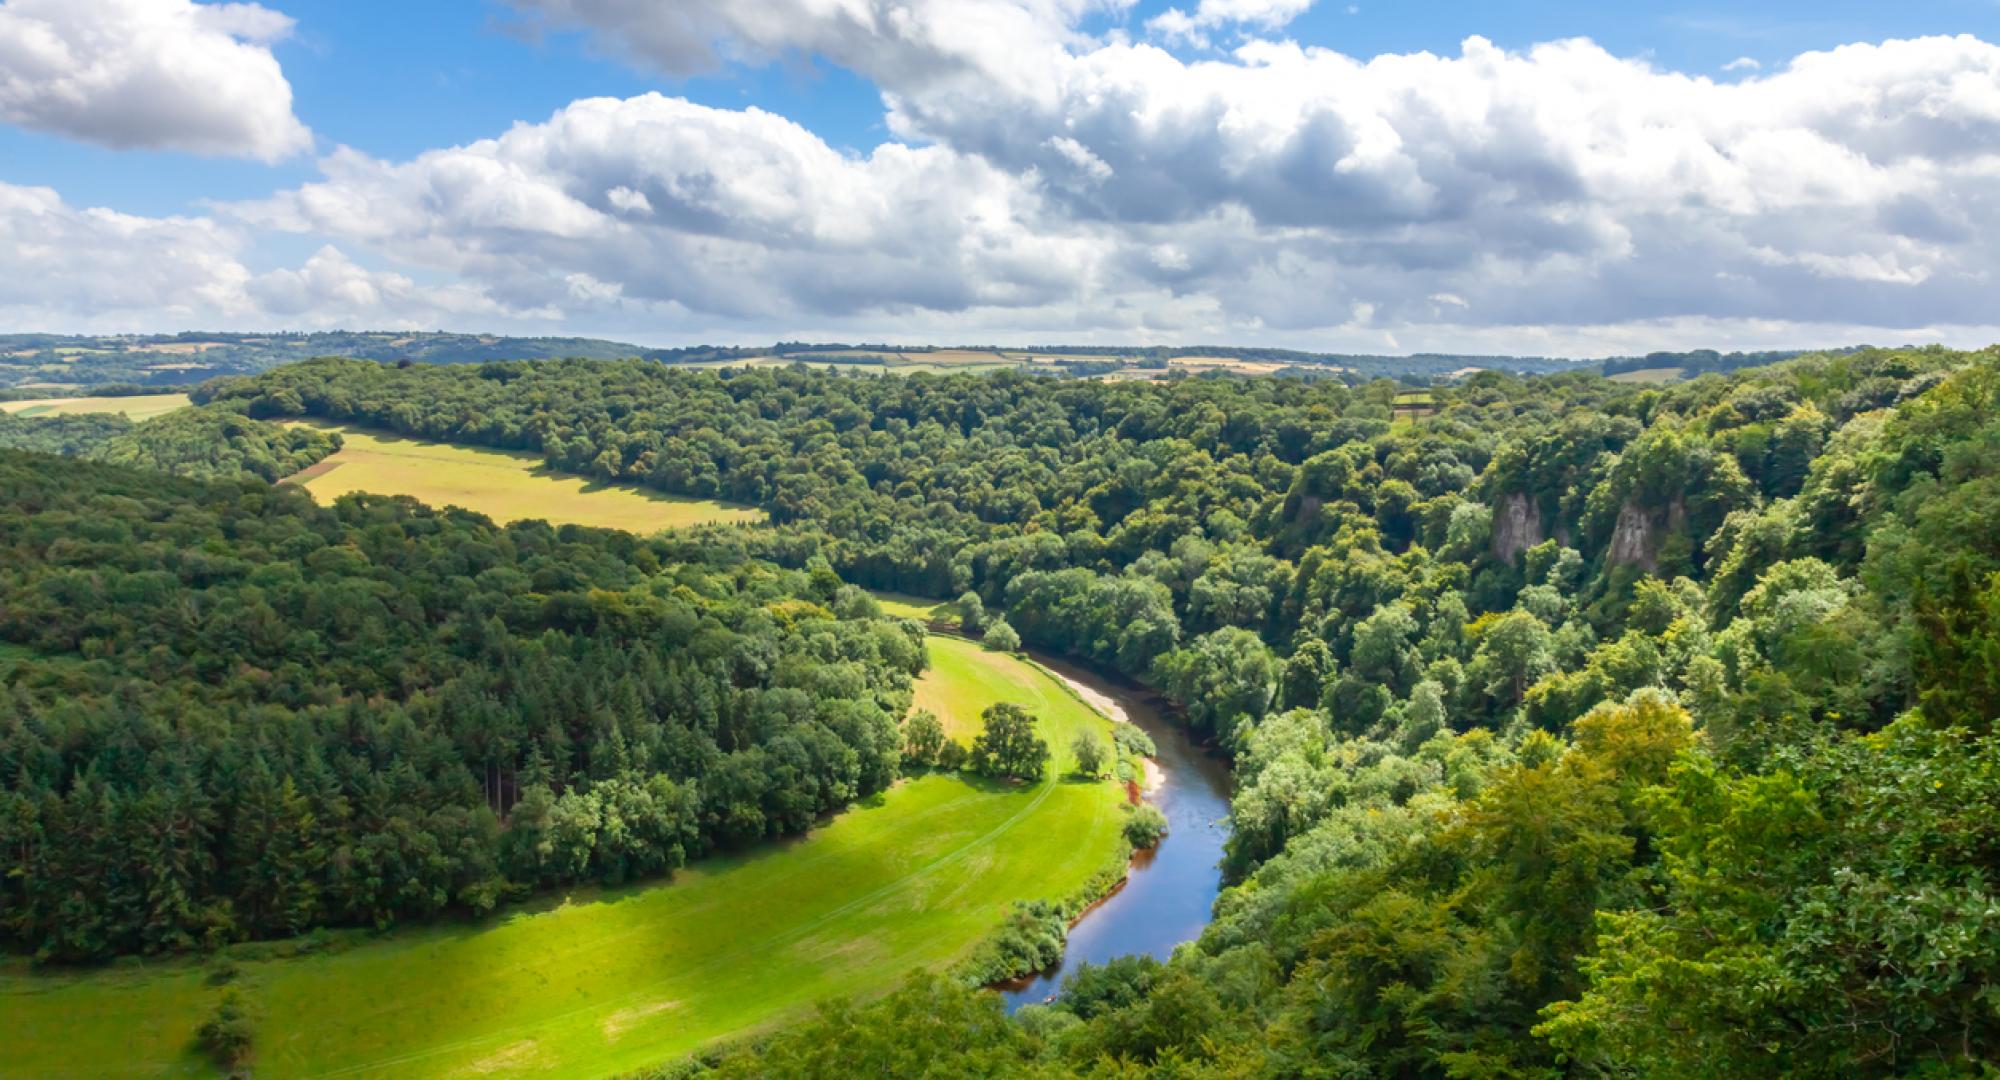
{"points": [[1009, 746], [971, 614], [1224, 679], [923, 739], [1001, 637], [1090, 754]]}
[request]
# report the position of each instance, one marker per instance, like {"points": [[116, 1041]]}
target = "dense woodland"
{"points": [[227, 712], [1651, 736], [204, 444], [1578, 727]]}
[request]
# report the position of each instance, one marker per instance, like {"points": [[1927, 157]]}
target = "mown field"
{"points": [[598, 983], [1650, 375], [141, 407], [502, 484]]}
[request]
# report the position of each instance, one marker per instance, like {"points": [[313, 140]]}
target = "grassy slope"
{"points": [[141, 407], [1650, 375], [504, 485], [604, 983], [904, 606]]}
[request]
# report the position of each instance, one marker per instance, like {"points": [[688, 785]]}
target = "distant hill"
{"points": [[28, 361], [56, 363]]}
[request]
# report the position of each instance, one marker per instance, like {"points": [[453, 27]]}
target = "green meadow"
{"points": [[505, 485], [596, 983]]}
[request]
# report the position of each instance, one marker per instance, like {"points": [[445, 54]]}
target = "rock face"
{"points": [[1636, 538], [1517, 526]]}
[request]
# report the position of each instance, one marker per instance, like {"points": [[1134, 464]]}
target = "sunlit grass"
{"points": [[137, 408], [504, 485], [597, 983]]}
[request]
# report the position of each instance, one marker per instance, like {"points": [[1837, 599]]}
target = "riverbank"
{"points": [[1169, 891]]}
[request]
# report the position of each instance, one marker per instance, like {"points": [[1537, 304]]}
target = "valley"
{"points": [[602, 981]]}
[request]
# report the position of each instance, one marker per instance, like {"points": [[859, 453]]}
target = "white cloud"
{"points": [[92, 269], [1174, 24], [1742, 63], [155, 74], [1284, 190], [732, 214], [1055, 186]]}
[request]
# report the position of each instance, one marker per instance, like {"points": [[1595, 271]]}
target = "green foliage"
{"points": [[1579, 728], [1000, 637], [923, 740], [206, 444], [1008, 745], [227, 1035], [263, 715], [1145, 825], [1090, 755]]}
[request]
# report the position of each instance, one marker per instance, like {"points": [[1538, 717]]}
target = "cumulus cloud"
{"points": [[1743, 63], [94, 269], [1176, 24], [733, 213], [1284, 188], [156, 74], [1050, 184], [901, 43]]}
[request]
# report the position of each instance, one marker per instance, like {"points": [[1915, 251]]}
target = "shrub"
{"points": [[1001, 637], [227, 1034], [1145, 825]]}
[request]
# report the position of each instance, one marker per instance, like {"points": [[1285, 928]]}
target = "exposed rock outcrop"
{"points": [[1517, 526], [1640, 530]]}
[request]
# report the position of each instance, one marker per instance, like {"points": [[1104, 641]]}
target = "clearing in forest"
{"points": [[599, 983], [136, 408], [505, 485]]}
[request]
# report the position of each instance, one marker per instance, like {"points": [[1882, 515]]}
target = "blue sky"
{"points": [[401, 84], [451, 71]]}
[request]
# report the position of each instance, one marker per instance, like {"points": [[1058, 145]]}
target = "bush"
{"points": [[1145, 825], [1090, 754], [1132, 739], [227, 1034], [1030, 940], [1001, 637]]}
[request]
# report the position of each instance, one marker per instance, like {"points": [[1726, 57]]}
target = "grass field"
{"points": [[504, 485], [1649, 375], [601, 983], [905, 606], [141, 407]]}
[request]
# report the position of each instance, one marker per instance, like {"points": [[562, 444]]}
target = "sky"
{"points": [[1534, 178]]}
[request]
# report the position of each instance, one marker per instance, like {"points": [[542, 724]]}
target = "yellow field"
{"points": [[504, 485], [1649, 375], [142, 407], [1226, 363]]}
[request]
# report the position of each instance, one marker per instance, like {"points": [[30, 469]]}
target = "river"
{"points": [[1170, 890]]}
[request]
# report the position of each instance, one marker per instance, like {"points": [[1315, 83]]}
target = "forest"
{"points": [[209, 444], [1578, 731], [233, 713], [1578, 728]]}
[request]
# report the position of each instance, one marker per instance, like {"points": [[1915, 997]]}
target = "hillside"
{"points": [[1642, 726], [53, 363]]}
